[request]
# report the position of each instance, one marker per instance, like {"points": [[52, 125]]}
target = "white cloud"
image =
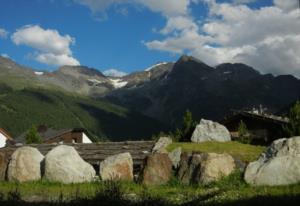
{"points": [[52, 48], [114, 73], [287, 5], [52, 59], [5, 56], [3, 33], [98, 7], [266, 38], [166, 7], [179, 23], [243, 1]]}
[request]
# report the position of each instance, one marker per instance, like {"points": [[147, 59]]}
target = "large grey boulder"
{"points": [[208, 130], [117, 167], [63, 164], [25, 165], [278, 165], [174, 156], [204, 168], [161, 145]]}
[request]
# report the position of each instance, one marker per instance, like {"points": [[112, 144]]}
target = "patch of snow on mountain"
{"points": [[156, 65], [114, 73], [39, 73], [95, 81], [227, 72], [118, 83]]}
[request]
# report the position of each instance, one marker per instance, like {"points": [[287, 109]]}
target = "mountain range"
{"points": [[152, 100]]}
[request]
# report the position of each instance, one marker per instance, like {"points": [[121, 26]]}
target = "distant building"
{"points": [[5, 138], [49, 135], [263, 128]]}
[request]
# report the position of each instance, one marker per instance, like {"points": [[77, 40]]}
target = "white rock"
{"points": [[175, 156], [117, 167], [210, 131], [63, 164], [278, 165], [161, 145], [25, 165]]}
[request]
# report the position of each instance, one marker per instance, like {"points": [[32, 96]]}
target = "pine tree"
{"points": [[293, 127], [32, 136], [243, 133], [188, 125]]}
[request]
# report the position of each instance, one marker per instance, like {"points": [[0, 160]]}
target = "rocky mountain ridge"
{"points": [[165, 90], [208, 92], [78, 79]]}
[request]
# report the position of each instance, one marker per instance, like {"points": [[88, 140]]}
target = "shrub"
{"points": [[32, 136], [244, 134], [188, 126], [293, 127]]}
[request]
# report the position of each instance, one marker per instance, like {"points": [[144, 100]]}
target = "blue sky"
{"points": [[131, 35]]}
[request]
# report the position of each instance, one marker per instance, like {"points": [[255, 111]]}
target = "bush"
{"points": [[293, 127], [244, 134], [32, 136], [188, 126]]}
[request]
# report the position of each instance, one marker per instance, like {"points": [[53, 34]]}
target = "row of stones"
{"points": [[63, 164], [278, 165]]}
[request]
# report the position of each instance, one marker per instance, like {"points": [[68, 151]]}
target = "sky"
{"points": [[122, 36]]}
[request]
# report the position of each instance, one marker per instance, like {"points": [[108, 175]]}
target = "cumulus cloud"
{"points": [[3, 33], [98, 7], [287, 5], [5, 55], [52, 48], [52, 59], [166, 7], [179, 23], [243, 1], [266, 38], [114, 73]]}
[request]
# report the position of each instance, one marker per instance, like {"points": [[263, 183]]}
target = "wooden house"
{"points": [[50, 135], [263, 128], [5, 138]]}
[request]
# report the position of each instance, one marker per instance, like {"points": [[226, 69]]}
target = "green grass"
{"points": [[228, 190], [244, 152]]}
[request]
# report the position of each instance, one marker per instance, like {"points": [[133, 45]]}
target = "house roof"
{"points": [[50, 133], [258, 116], [6, 134]]}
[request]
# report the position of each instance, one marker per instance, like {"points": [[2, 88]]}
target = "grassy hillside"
{"points": [[20, 109]]}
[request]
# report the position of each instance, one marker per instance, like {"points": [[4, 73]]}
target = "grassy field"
{"points": [[229, 191], [244, 152]]}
